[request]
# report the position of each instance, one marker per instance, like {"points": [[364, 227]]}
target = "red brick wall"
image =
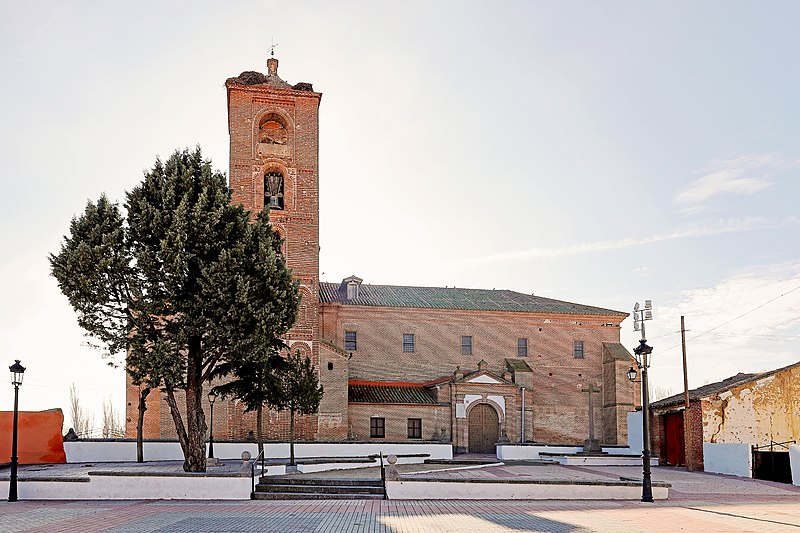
{"points": [[658, 427], [396, 420], [559, 409], [152, 416]]}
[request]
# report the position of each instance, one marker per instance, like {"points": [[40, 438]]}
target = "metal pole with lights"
{"points": [[17, 370], [212, 397], [643, 352]]}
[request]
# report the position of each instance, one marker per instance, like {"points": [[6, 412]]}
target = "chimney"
{"points": [[272, 66]]}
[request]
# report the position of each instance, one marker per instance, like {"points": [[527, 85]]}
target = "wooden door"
{"points": [[675, 439], [484, 429]]}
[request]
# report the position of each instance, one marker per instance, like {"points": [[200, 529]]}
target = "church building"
{"points": [[398, 363]]}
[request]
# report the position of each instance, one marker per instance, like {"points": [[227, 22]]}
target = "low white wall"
{"points": [[113, 451], [519, 452], [353, 449], [794, 463], [635, 441], [324, 467], [436, 490], [136, 488], [733, 459]]}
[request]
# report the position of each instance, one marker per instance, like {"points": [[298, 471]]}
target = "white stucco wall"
{"points": [[635, 441], [113, 451], [794, 461], [136, 488], [733, 459]]}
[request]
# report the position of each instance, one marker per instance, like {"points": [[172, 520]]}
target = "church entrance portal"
{"points": [[484, 429]]}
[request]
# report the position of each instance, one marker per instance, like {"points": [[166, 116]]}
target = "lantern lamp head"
{"points": [[17, 370], [631, 373]]}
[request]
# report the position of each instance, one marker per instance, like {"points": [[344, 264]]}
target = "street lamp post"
{"points": [[17, 370], [643, 352], [212, 397]]}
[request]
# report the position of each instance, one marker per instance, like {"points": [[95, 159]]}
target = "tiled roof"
{"points": [[518, 365], [398, 393], [706, 390], [618, 351], [721, 386], [455, 298]]}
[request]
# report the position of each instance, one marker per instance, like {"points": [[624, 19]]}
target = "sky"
{"points": [[596, 152]]}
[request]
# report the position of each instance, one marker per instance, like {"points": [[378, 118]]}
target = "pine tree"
{"points": [[185, 283], [301, 392], [256, 382]]}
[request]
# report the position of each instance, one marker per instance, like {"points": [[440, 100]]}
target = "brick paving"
{"points": [[698, 502]]}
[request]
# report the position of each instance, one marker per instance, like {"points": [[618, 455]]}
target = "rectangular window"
{"points": [[376, 428], [414, 428], [522, 347], [466, 345], [408, 342], [350, 341], [577, 349]]}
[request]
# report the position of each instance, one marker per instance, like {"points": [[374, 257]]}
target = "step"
{"points": [[295, 480], [313, 496], [320, 489]]}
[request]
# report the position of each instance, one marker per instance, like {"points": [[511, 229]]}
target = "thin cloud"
{"points": [[746, 174], [702, 229]]}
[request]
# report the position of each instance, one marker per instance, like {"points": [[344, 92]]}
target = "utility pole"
{"points": [[687, 430]]}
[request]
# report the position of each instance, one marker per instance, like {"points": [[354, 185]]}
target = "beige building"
{"points": [[756, 409]]}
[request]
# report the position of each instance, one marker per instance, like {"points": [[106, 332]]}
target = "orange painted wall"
{"points": [[39, 437]]}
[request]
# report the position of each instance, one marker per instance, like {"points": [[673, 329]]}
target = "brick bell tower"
{"points": [[274, 135]]}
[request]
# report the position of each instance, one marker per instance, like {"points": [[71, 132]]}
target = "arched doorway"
{"points": [[484, 429]]}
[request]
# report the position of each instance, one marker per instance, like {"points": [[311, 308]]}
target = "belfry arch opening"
{"points": [[273, 189]]}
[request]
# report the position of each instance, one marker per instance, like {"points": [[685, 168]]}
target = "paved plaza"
{"points": [[698, 502]]}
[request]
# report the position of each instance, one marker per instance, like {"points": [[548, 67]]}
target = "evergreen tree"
{"points": [[185, 283], [301, 392], [256, 382]]}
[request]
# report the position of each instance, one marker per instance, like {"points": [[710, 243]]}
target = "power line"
{"points": [[756, 308], [780, 338]]}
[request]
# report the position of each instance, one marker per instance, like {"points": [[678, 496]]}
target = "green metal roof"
{"points": [[618, 351], [455, 298], [518, 365]]}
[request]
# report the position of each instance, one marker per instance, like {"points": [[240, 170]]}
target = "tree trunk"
{"points": [[260, 429], [143, 392], [291, 436], [195, 452], [180, 429]]}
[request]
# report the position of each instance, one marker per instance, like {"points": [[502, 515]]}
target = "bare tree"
{"points": [[112, 425], [659, 392], [82, 420]]}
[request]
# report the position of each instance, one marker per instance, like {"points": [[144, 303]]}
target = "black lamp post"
{"points": [[212, 397], [17, 370], [643, 352]]}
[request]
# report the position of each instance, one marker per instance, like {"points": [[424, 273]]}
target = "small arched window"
{"points": [[273, 189]]}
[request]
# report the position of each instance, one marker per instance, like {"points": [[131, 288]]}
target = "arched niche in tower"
{"points": [[273, 134], [272, 129], [280, 233], [305, 312]]}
